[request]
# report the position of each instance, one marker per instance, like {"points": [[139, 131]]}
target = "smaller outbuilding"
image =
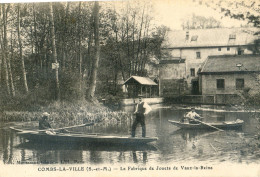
{"points": [[145, 86], [227, 76]]}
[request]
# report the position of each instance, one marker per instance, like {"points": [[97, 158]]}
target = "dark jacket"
{"points": [[44, 124], [140, 108]]}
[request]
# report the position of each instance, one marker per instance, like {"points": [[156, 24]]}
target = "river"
{"points": [[173, 145]]}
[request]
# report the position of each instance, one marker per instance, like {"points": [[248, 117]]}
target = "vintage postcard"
{"points": [[130, 88]]}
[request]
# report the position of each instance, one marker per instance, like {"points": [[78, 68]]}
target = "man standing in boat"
{"points": [[43, 122], [192, 116], [142, 108]]}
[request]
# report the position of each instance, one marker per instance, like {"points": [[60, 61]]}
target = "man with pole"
{"points": [[142, 109]]}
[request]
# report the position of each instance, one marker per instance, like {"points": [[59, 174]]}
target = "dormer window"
{"points": [[187, 35], [232, 36], [194, 38]]}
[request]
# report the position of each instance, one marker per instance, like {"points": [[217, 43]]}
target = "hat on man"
{"points": [[45, 114]]}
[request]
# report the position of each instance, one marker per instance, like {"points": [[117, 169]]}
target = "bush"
{"points": [[66, 114]]}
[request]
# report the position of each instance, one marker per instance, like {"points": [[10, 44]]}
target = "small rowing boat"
{"points": [[49, 137], [221, 125]]}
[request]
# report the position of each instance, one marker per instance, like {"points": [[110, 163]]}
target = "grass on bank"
{"points": [[64, 114]]}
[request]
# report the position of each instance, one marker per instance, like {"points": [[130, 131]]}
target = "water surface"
{"points": [[173, 145]]}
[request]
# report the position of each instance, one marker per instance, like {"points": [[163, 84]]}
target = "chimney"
{"points": [[187, 35]]}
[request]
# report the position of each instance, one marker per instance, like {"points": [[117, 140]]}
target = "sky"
{"points": [[171, 12]]}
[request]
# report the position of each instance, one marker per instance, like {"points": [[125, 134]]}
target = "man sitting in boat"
{"points": [[43, 122], [142, 108], [45, 125], [192, 116]]}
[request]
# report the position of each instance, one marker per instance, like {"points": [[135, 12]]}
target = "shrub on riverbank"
{"points": [[67, 113]]}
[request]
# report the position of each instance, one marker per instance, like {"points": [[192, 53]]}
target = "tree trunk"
{"points": [[5, 49], [37, 57], [145, 36], [10, 69], [21, 50], [64, 47], [1, 49], [54, 54], [127, 41], [138, 62], [80, 55], [90, 41], [93, 77], [134, 61]]}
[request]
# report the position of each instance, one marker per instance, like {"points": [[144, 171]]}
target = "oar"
{"points": [[206, 124], [81, 125]]}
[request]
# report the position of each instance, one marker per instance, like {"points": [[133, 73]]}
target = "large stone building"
{"points": [[184, 53]]}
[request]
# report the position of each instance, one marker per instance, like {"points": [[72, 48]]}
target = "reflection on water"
{"points": [[173, 145], [144, 157]]}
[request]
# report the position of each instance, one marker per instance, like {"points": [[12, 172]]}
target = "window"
{"points": [[198, 55], [192, 72], [220, 84], [240, 83], [219, 49], [228, 48]]}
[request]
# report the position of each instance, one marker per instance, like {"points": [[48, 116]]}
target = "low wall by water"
{"points": [[219, 99], [132, 101]]}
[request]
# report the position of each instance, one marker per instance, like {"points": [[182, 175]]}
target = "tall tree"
{"points": [[9, 59], [54, 53], [92, 87], [1, 48], [21, 49], [5, 47], [79, 48], [137, 65]]}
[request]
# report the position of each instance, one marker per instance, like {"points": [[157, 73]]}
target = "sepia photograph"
{"points": [[130, 88]]}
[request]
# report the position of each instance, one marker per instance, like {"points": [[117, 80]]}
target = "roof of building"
{"points": [[140, 80], [231, 63], [210, 37]]}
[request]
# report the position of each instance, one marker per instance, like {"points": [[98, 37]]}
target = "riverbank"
{"points": [[67, 113]]}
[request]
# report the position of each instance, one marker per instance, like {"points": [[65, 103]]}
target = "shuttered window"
{"points": [[198, 55], [240, 84], [220, 84], [192, 72]]}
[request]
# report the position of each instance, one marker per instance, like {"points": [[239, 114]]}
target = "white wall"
{"points": [[172, 71]]}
